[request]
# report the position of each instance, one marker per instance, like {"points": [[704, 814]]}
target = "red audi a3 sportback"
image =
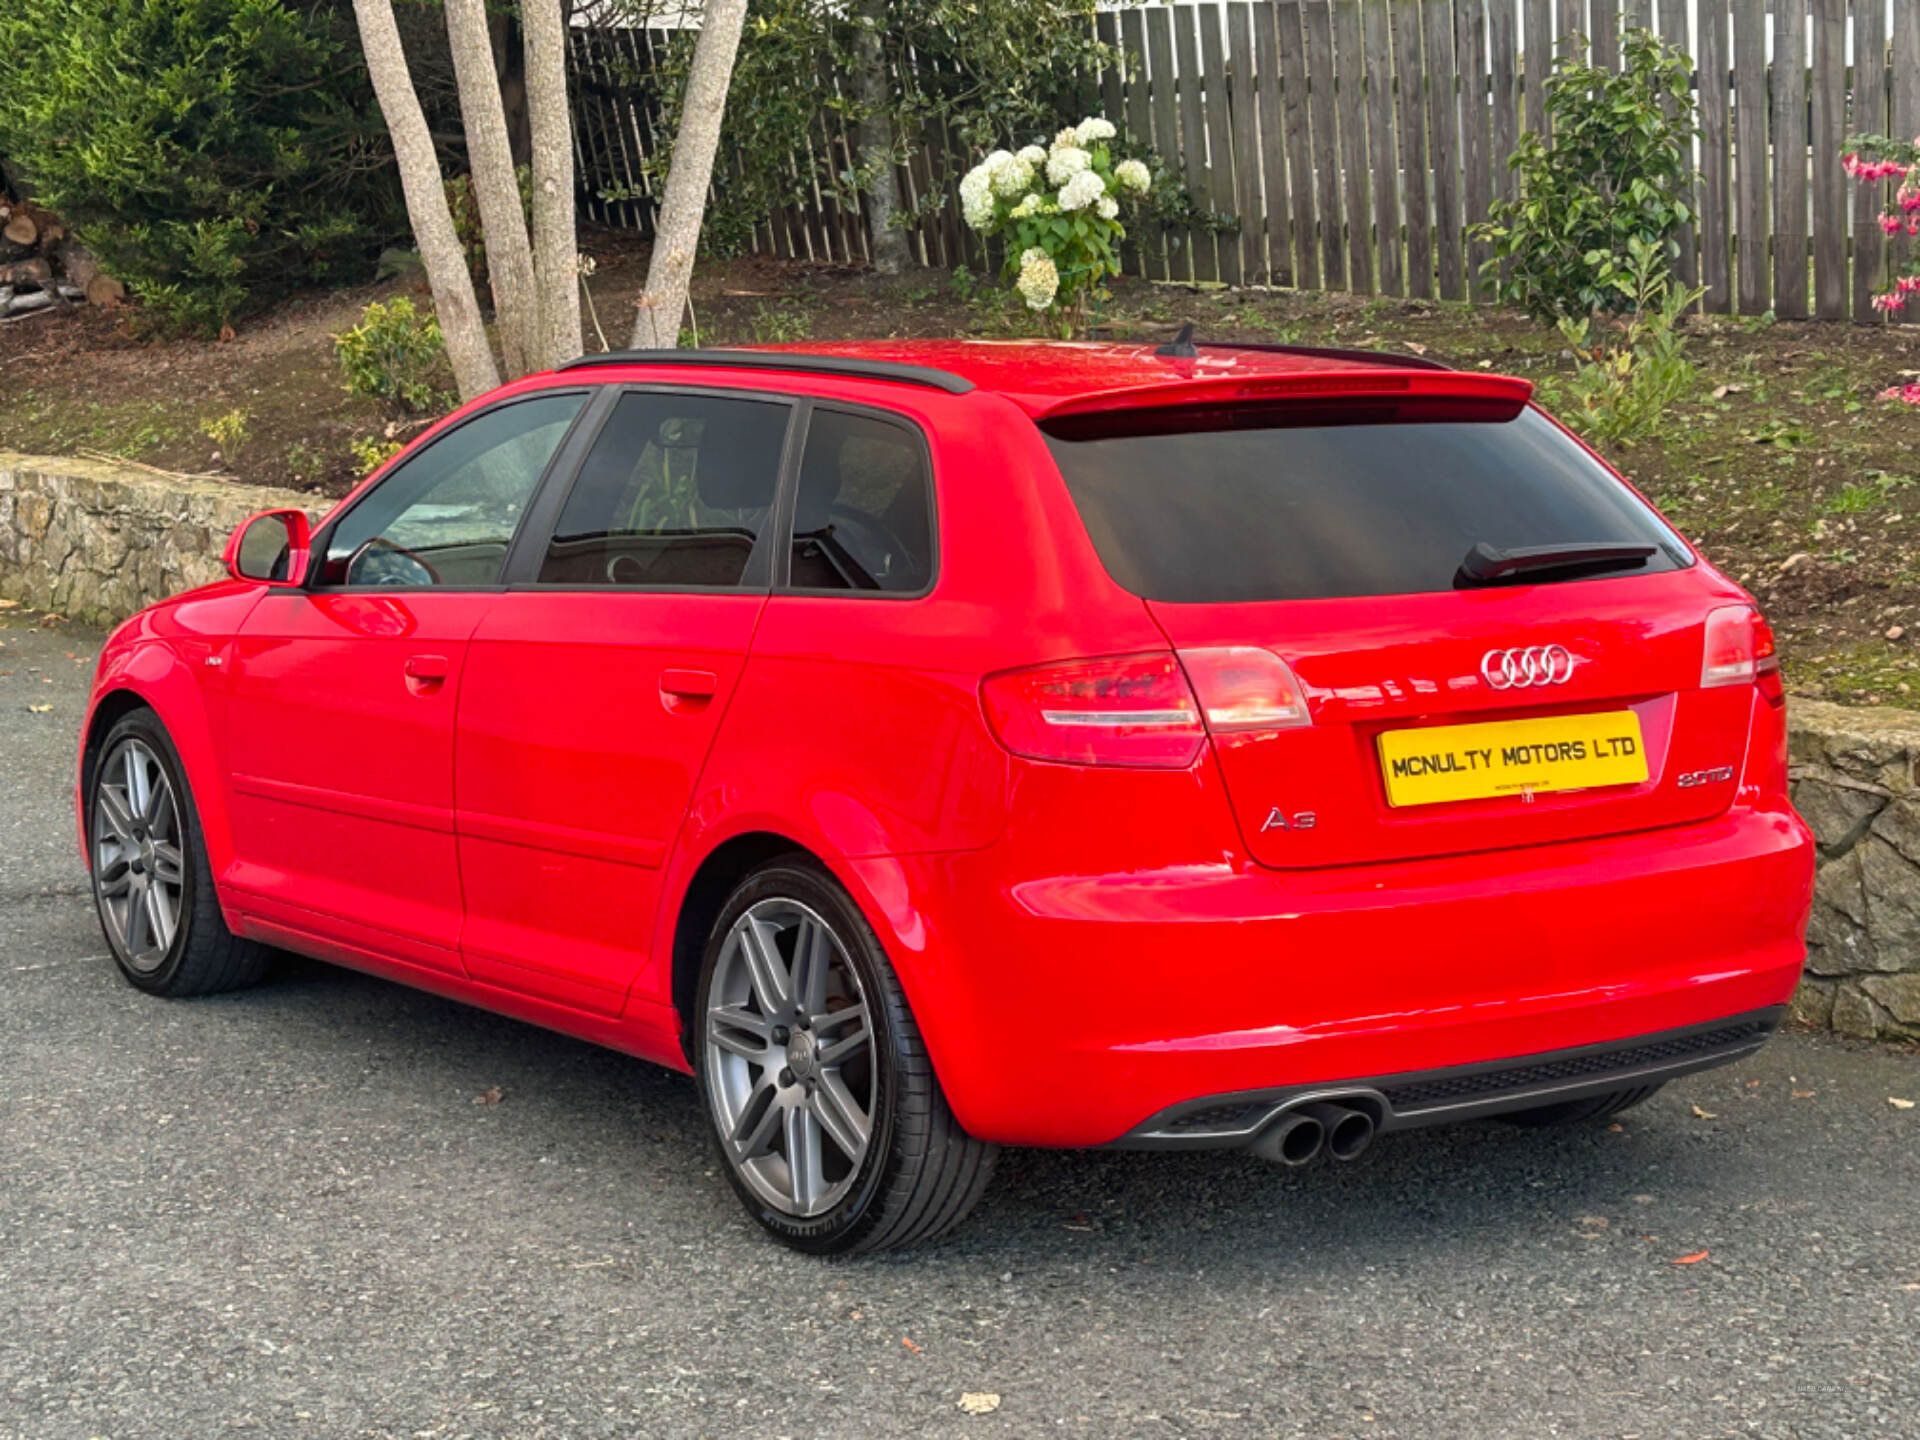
{"points": [[935, 746]]}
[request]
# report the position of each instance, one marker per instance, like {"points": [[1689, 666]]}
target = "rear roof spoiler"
{"points": [[1376, 379]]}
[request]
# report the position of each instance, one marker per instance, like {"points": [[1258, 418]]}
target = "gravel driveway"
{"points": [[294, 1212]]}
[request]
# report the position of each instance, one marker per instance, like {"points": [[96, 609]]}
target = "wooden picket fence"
{"points": [[1356, 141]]}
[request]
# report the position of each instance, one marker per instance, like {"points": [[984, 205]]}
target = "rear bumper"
{"points": [[1467, 1092], [1078, 1009]]}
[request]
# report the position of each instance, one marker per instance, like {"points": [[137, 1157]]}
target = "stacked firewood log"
{"points": [[42, 266]]}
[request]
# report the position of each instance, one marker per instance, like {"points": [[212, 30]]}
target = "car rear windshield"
{"points": [[1303, 502]]}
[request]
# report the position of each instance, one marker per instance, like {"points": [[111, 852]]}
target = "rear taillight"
{"points": [[1740, 651], [1135, 710], [1245, 690]]}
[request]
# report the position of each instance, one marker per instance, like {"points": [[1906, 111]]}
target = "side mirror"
{"points": [[270, 548]]}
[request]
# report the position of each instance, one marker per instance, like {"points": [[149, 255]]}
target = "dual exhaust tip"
{"points": [[1299, 1135]]}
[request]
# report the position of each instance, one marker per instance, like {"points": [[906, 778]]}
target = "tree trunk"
{"points": [[516, 301], [891, 251], [453, 300], [556, 252], [656, 319]]}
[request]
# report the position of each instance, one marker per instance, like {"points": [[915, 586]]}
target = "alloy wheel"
{"points": [[789, 1058], [139, 870]]}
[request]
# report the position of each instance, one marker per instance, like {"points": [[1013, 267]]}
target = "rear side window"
{"points": [[675, 492], [1328, 501], [863, 517]]}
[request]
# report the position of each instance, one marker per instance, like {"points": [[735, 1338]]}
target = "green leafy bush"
{"points": [[1629, 369], [395, 355], [370, 452], [212, 153], [1617, 170]]}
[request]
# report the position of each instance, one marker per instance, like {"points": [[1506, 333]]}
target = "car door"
{"points": [[343, 693], [595, 686]]}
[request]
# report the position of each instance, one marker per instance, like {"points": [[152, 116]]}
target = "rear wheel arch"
{"points": [[716, 878]]}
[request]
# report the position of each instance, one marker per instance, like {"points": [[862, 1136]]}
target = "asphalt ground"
{"points": [[283, 1213]]}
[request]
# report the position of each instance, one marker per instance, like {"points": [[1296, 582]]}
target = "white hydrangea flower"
{"points": [[1082, 189], [1028, 206], [1013, 177], [1066, 162], [1093, 129], [976, 197], [1039, 280], [1109, 208], [1032, 154], [1068, 136], [1133, 175]]}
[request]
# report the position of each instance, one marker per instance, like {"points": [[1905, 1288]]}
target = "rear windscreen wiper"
{"points": [[1485, 565]]}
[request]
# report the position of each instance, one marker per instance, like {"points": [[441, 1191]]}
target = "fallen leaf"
{"points": [[1910, 1287], [490, 1096], [979, 1402], [1416, 347], [39, 709], [1803, 1094], [908, 1342], [1694, 1259], [1898, 1103], [1720, 392], [1700, 1114], [1597, 1222], [1616, 1128]]}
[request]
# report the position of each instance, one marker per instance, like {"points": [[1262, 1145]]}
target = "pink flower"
{"points": [[1891, 223], [1906, 394]]}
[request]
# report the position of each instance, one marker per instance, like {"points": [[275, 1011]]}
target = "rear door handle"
{"points": [[427, 669], [689, 684], [688, 692]]}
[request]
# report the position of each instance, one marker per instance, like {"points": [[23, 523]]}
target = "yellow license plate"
{"points": [[1512, 757]]}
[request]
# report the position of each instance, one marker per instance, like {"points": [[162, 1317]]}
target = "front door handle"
{"points": [[687, 692], [426, 673]]}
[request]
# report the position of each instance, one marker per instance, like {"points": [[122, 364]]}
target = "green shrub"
{"points": [[394, 354], [370, 452], [1617, 169], [1628, 370], [212, 153]]}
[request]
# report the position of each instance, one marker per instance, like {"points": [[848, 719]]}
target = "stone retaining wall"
{"points": [[95, 542], [1854, 779]]}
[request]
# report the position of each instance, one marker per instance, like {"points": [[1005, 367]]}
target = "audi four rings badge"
{"points": [[1531, 665]]}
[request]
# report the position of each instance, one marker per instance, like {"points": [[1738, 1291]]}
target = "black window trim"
{"points": [[790, 499], [529, 549], [561, 457]]}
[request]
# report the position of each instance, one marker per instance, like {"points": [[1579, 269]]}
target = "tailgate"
{"points": [[1463, 721]]}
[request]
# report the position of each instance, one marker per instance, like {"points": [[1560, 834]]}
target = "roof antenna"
{"points": [[1182, 347]]}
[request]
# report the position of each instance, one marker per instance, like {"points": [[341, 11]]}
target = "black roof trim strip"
{"points": [[799, 362], [1326, 352]]}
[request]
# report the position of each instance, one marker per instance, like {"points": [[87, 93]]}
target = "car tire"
{"points": [[152, 886], [790, 944], [1582, 1112]]}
